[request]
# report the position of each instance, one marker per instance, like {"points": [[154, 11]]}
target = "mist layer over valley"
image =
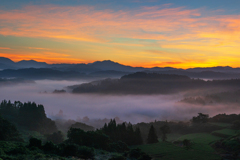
{"points": [[90, 108], [85, 92]]}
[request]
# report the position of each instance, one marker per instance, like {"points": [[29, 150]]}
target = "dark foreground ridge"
{"points": [[27, 133]]}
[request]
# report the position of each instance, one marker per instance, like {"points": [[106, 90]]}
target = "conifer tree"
{"points": [[152, 136], [138, 137], [164, 130]]}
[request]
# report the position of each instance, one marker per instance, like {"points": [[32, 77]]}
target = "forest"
{"points": [[152, 83], [27, 133]]}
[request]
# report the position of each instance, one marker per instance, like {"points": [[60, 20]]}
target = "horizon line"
{"points": [[115, 62]]}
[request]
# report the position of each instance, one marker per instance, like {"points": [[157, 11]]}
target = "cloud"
{"points": [[85, 23], [4, 48], [163, 64], [50, 57], [133, 108], [38, 48]]}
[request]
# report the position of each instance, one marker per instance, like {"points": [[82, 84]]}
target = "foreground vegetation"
{"points": [[26, 133]]}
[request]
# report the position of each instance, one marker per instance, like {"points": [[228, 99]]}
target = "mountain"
{"points": [[110, 65], [4, 60], [82, 68], [41, 73], [6, 63], [152, 83], [225, 69], [31, 64], [208, 74], [110, 69], [13, 81], [108, 73]]}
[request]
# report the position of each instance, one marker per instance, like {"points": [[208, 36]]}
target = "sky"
{"points": [[147, 33]]}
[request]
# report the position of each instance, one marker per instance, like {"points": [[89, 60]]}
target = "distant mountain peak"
{"points": [[28, 60], [105, 62], [108, 61], [5, 60]]}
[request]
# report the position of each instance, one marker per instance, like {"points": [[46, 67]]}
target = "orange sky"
{"points": [[163, 35]]}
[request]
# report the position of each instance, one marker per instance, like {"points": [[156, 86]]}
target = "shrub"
{"points": [[1, 152], [85, 152], [236, 124], [187, 144], [77, 151], [118, 158], [69, 150], [118, 147], [138, 154], [19, 150], [56, 137], [34, 142], [49, 147]]}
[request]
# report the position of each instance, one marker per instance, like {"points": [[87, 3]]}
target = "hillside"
{"points": [[151, 83]]}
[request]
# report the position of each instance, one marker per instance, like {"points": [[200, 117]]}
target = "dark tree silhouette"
{"points": [[34, 142], [201, 118], [187, 144], [138, 137], [8, 132], [152, 136], [29, 115], [236, 124], [164, 131], [56, 137], [94, 139], [122, 132]]}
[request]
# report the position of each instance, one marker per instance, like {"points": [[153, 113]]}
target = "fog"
{"points": [[133, 108]]}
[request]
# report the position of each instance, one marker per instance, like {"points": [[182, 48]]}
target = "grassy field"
{"points": [[171, 137], [169, 151], [222, 124], [200, 149], [202, 138], [225, 132]]}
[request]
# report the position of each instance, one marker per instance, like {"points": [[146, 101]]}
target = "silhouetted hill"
{"points": [[216, 69], [203, 74], [230, 97], [31, 64], [151, 83], [6, 63], [4, 60], [108, 73], [82, 68], [110, 69], [82, 126], [40, 73], [143, 76], [110, 65], [12, 81]]}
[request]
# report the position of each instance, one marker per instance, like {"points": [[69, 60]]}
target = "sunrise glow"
{"points": [[146, 34]]}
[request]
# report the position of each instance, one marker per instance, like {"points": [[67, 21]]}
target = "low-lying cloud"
{"points": [[133, 108]]}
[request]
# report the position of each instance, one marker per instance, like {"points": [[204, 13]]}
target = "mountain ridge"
{"points": [[101, 64]]}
